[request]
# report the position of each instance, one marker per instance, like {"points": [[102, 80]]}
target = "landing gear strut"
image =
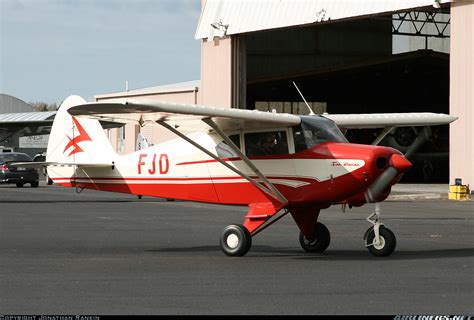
{"points": [[379, 240]]}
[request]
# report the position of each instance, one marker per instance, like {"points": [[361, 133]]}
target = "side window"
{"points": [[266, 143], [225, 151], [299, 139]]}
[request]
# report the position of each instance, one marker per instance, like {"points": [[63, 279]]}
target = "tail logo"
{"points": [[83, 136]]}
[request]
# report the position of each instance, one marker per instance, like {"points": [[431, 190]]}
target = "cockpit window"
{"points": [[315, 130], [266, 143]]}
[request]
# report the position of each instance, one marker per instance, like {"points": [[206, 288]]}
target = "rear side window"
{"points": [[266, 143], [225, 151], [13, 157]]}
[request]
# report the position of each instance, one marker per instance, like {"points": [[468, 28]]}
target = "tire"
{"points": [[34, 184], [19, 185], [235, 240], [388, 242], [321, 243]]}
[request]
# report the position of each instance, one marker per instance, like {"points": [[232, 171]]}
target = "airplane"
{"points": [[273, 163]]}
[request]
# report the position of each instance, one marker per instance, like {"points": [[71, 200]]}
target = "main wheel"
{"points": [[387, 244], [235, 240], [321, 243]]}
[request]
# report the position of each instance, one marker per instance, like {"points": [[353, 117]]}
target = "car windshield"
{"points": [[13, 157], [314, 130]]}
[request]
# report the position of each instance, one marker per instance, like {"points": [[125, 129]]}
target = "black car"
{"points": [[19, 176], [41, 157]]}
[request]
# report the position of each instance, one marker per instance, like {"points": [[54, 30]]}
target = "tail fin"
{"points": [[77, 140]]}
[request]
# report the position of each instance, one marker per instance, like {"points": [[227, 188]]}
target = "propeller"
{"points": [[422, 137], [397, 164], [380, 184]]}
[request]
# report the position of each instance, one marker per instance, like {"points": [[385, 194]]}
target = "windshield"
{"points": [[13, 157], [314, 130]]}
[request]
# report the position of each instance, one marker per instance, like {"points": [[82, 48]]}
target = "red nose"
{"points": [[400, 163]]}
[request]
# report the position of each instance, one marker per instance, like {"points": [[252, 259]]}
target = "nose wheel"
{"points": [[384, 246], [379, 240]]}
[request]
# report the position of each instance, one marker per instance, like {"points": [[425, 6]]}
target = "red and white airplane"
{"points": [[273, 163]]}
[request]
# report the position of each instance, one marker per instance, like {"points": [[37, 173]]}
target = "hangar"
{"points": [[22, 127], [351, 56]]}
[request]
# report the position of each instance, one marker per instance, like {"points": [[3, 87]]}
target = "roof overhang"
{"points": [[27, 117], [229, 17], [188, 86]]}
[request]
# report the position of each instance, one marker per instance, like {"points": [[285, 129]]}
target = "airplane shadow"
{"points": [[398, 255], [333, 255]]}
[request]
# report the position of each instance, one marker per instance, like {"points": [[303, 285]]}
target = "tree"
{"points": [[43, 106]]}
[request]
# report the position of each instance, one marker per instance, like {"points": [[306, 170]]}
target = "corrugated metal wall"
{"points": [[290, 51], [10, 104]]}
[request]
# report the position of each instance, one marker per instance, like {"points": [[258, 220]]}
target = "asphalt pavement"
{"points": [[105, 253]]}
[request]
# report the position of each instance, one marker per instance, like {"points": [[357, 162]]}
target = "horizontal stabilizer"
{"points": [[59, 164]]}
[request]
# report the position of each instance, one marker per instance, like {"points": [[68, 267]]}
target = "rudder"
{"points": [[77, 140]]}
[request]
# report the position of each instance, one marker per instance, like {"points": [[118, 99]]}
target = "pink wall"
{"points": [[461, 102], [216, 72]]}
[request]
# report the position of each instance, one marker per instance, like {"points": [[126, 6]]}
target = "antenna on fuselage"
{"points": [[311, 113]]}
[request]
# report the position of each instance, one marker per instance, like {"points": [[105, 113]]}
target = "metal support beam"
{"points": [[382, 135], [240, 173], [419, 20], [275, 193]]}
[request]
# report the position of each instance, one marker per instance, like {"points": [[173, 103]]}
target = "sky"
{"points": [[51, 49]]}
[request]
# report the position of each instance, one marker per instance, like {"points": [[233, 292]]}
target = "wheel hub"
{"points": [[232, 241], [311, 243], [380, 245]]}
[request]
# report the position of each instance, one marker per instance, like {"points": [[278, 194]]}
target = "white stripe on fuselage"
{"points": [[188, 165]]}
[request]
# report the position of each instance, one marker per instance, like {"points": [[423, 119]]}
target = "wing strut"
{"points": [[382, 135], [240, 173], [274, 191]]}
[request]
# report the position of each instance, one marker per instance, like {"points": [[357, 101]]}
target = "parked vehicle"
{"points": [[18, 176], [5, 149], [41, 157]]}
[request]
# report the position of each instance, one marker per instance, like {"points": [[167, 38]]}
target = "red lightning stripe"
{"points": [[83, 136]]}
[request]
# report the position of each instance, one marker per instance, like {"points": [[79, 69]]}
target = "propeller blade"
{"points": [[380, 184], [398, 164], [422, 137]]}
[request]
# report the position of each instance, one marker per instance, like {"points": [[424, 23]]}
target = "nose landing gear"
{"points": [[379, 240]]}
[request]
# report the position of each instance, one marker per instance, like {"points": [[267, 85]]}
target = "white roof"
{"points": [[252, 15], [174, 87], [27, 116], [10, 104]]}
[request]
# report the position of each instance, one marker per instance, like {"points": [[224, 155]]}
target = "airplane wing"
{"points": [[143, 111], [182, 115], [389, 121], [386, 120]]}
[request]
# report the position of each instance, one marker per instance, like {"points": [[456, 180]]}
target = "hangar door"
{"points": [[351, 67]]}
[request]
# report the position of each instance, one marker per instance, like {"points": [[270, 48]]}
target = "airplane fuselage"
{"points": [[325, 174]]}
